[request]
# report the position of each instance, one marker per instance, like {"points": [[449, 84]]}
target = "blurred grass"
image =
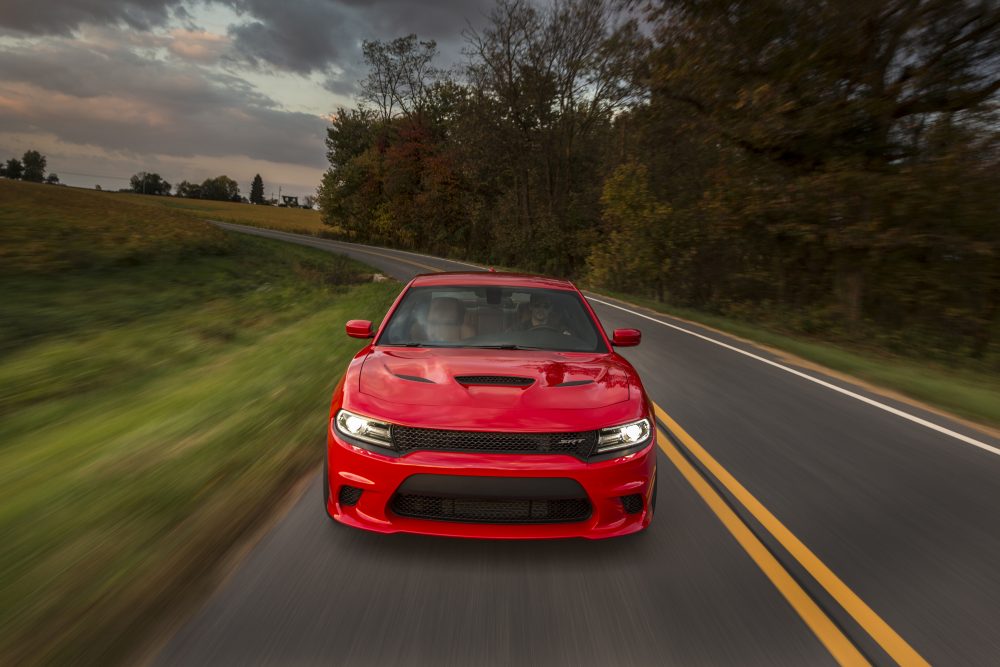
{"points": [[965, 392], [155, 400]]}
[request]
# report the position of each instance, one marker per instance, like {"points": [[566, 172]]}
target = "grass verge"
{"points": [[153, 405]]}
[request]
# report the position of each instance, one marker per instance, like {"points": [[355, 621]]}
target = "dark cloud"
{"points": [[310, 35], [299, 36], [345, 84], [64, 16]]}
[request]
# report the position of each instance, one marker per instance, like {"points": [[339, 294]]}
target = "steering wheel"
{"points": [[544, 327]]}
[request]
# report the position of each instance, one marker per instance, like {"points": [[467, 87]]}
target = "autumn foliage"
{"points": [[828, 168]]}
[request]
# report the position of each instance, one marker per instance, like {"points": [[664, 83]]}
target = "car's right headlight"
{"points": [[622, 437], [363, 428]]}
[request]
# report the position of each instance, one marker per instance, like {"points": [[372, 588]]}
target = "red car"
{"points": [[491, 405]]}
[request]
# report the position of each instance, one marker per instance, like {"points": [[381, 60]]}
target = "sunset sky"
{"points": [[106, 88]]}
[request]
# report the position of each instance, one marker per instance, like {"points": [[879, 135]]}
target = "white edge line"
{"points": [[846, 392]]}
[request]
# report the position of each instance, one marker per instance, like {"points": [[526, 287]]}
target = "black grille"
{"points": [[632, 503], [501, 380], [408, 439], [491, 510], [349, 495]]}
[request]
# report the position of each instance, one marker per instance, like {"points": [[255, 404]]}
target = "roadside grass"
{"points": [[966, 392], [296, 220], [151, 412]]}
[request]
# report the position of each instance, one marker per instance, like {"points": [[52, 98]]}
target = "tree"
{"points": [[14, 169], [824, 166], [221, 188], [190, 190], [634, 250], [829, 110], [149, 184], [400, 74], [34, 166], [52, 179], [257, 190]]}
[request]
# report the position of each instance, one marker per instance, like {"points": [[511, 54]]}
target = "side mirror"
{"points": [[360, 329], [626, 337]]}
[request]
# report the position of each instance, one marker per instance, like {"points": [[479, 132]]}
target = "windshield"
{"points": [[515, 318]]}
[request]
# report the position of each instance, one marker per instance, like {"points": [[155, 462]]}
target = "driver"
{"points": [[542, 314]]}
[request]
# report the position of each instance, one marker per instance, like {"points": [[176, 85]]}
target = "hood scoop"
{"points": [[494, 380], [573, 383], [413, 378]]}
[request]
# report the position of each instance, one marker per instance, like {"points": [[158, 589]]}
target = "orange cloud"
{"points": [[30, 101]]}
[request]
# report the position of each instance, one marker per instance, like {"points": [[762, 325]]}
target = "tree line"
{"points": [[830, 167], [31, 167], [220, 188]]}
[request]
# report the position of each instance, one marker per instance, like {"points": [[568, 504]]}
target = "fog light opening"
{"points": [[349, 495], [632, 503]]}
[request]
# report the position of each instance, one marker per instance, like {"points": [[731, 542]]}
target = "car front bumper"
{"points": [[379, 477]]}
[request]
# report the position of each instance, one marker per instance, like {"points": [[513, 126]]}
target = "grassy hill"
{"points": [[297, 220], [161, 383]]}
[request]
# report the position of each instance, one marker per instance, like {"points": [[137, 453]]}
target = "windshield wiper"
{"points": [[505, 346]]}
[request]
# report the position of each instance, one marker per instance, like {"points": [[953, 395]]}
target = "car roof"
{"points": [[499, 278]]}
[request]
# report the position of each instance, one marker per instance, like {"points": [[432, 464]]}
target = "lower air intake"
{"points": [[349, 495], [476, 510], [632, 503]]}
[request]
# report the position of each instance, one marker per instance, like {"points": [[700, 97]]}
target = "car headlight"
{"points": [[362, 428], [622, 437]]}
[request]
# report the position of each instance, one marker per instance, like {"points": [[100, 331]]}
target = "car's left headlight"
{"points": [[363, 428], [622, 437]]}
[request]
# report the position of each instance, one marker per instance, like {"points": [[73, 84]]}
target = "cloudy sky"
{"points": [[195, 88]]}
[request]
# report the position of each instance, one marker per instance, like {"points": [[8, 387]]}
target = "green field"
{"points": [[162, 383]]}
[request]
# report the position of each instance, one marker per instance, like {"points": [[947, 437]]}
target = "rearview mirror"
{"points": [[626, 337], [360, 329]]}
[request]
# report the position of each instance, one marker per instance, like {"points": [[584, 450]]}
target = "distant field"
{"points": [[297, 220], [44, 228], [161, 384]]}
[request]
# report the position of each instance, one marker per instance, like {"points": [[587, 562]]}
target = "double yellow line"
{"points": [[831, 636]]}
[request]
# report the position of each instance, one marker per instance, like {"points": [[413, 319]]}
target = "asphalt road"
{"points": [[902, 514]]}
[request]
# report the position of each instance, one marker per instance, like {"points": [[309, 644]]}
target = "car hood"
{"points": [[559, 380]]}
